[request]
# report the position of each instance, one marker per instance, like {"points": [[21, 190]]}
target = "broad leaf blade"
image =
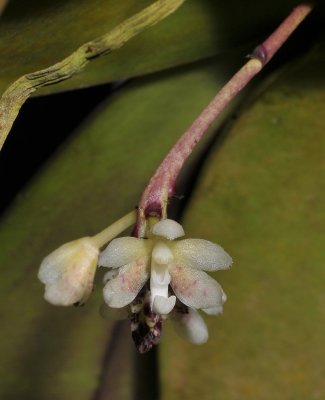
{"points": [[261, 197], [97, 176]]}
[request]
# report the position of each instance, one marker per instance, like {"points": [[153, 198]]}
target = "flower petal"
{"points": [[121, 290], [122, 251], [191, 326], [195, 288], [201, 254], [168, 228], [110, 274], [213, 310]]}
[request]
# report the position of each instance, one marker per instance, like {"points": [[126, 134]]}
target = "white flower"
{"points": [[191, 326], [68, 272], [174, 267]]}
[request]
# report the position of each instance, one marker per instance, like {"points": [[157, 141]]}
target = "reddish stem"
{"points": [[265, 51], [161, 186]]}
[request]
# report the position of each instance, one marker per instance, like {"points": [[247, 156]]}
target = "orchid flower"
{"points": [[173, 268]]}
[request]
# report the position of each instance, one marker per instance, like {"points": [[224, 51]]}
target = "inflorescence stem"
{"points": [[161, 186], [115, 229]]}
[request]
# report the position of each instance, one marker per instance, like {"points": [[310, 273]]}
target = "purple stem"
{"points": [[265, 51], [161, 186]]}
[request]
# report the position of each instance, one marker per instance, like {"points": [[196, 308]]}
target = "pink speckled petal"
{"points": [[121, 290], [195, 288]]}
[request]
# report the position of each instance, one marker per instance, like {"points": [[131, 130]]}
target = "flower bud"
{"points": [[68, 273]]}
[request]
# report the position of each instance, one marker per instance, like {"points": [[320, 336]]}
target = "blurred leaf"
{"points": [[17, 93], [36, 34], [57, 353], [3, 4], [261, 196]]}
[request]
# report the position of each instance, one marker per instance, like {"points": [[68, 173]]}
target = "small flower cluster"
{"points": [[152, 278]]}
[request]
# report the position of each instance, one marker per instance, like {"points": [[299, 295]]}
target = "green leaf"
{"points": [[95, 178], [261, 196], [39, 33]]}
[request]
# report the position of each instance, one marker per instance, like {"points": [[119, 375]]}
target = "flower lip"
{"points": [[163, 305], [168, 228]]}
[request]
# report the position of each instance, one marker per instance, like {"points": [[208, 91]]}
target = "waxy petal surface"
{"points": [[168, 228], [195, 288], [121, 290], [123, 251], [201, 254]]}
